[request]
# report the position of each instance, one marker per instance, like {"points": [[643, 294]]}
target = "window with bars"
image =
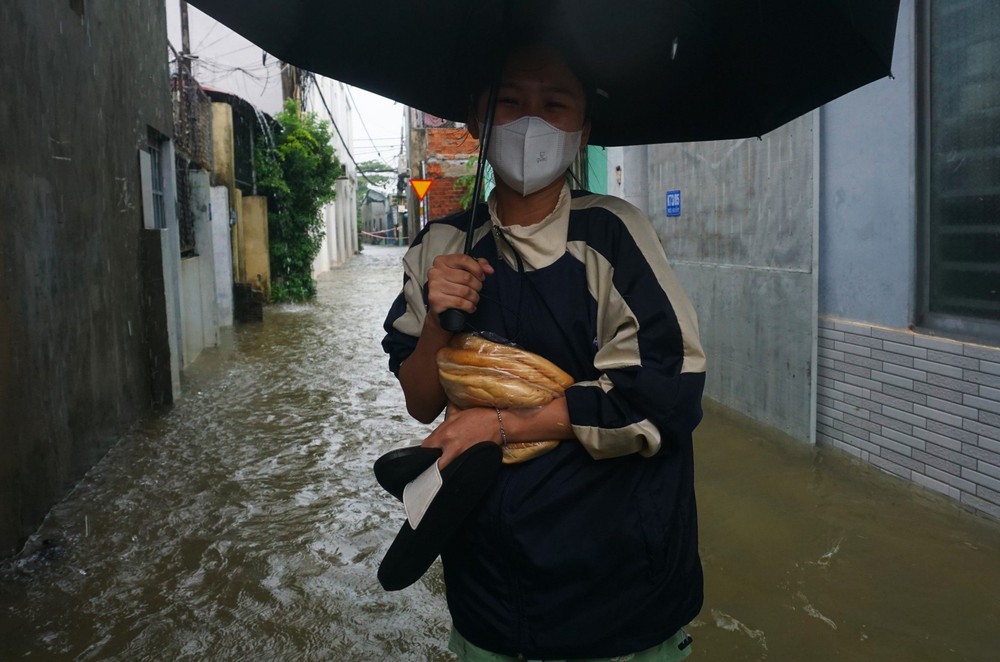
{"points": [[962, 161], [156, 185], [185, 208]]}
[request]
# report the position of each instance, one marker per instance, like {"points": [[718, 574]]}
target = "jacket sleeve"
{"points": [[405, 320], [406, 315], [651, 365]]}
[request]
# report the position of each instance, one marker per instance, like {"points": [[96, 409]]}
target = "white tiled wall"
{"points": [[917, 406]]}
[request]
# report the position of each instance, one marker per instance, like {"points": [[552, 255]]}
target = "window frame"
{"points": [[953, 325]]}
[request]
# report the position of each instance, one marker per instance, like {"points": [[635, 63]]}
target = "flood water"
{"points": [[245, 524]]}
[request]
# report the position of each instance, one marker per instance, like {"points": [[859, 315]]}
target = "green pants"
{"points": [[665, 652]]}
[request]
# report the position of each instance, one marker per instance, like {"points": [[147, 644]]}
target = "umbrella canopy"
{"points": [[663, 70]]}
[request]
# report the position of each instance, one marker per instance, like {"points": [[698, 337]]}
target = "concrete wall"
{"points": [[222, 248], [327, 256], [201, 193], [340, 217], [75, 366], [743, 248], [256, 254], [238, 237], [199, 305], [224, 174], [921, 407], [170, 258], [163, 380], [868, 178], [172, 284], [374, 213], [192, 319]]}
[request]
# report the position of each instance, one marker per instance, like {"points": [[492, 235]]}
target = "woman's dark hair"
{"points": [[490, 67]]}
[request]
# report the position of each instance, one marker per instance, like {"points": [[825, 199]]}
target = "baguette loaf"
{"points": [[476, 372]]}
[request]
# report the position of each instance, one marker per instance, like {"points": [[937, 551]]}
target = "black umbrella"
{"points": [[664, 70], [657, 70]]}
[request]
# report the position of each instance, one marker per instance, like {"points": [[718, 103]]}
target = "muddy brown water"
{"points": [[245, 524]]}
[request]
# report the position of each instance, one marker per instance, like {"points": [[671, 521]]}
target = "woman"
{"points": [[589, 551]]}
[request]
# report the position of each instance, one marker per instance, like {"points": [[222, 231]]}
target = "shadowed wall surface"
{"points": [[84, 84]]}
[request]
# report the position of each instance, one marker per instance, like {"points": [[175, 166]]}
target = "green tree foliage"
{"points": [[379, 174], [297, 175]]}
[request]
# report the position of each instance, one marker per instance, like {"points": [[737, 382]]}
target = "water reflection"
{"points": [[245, 524], [810, 555]]}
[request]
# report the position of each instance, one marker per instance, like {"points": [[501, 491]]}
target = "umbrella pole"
{"points": [[453, 319], [484, 145]]}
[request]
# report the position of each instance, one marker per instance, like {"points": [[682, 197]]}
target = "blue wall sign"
{"points": [[673, 203]]}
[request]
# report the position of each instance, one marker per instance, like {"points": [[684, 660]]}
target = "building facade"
{"points": [[85, 198], [443, 152], [909, 255], [229, 65], [846, 267], [331, 101], [376, 219]]}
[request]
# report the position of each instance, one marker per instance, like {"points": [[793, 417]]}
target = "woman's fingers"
{"points": [[454, 281], [486, 266], [461, 262], [461, 430]]}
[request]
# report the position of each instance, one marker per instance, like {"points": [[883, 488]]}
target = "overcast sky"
{"points": [[377, 128]]}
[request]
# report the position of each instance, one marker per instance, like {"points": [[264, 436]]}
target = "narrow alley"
{"points": [[245, 523]]}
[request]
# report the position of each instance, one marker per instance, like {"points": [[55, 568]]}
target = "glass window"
{"points": [[963, 161], [159, 207]]}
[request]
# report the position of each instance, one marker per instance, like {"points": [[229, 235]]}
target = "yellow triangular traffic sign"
{"points": [[420, 187]]}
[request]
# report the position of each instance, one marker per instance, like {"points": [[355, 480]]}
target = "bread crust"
{"points": [[476, 372]]}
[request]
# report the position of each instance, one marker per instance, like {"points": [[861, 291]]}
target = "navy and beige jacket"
{"points": [[590, 550]]}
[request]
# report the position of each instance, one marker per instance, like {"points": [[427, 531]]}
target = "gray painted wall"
{"points": [[200, 309], [222, 246], [921, 407], [868, 210], [80, 90], [743, 248]]}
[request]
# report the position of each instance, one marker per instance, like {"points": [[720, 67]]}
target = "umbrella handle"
{"points": [[453, 320]]}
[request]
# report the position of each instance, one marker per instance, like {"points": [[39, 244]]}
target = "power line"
{"points": [[322, 98], [363, 126], [206, 36], [240, 50]]}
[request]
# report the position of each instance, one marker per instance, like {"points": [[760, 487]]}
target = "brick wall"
{"points": [[920, 407], [448, 152]]}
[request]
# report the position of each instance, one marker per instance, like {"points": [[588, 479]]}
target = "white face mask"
{"points": [[528, 154]]}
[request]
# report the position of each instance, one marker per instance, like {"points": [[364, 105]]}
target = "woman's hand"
{"points": [[454, 281], [462, 429]]}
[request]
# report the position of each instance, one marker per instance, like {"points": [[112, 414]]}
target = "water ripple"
{"points": [[245, 522]]}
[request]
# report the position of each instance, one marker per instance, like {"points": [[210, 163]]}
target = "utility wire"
{"points": [[322, 98], [363, 126], [207, 34], [220, 68]]}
